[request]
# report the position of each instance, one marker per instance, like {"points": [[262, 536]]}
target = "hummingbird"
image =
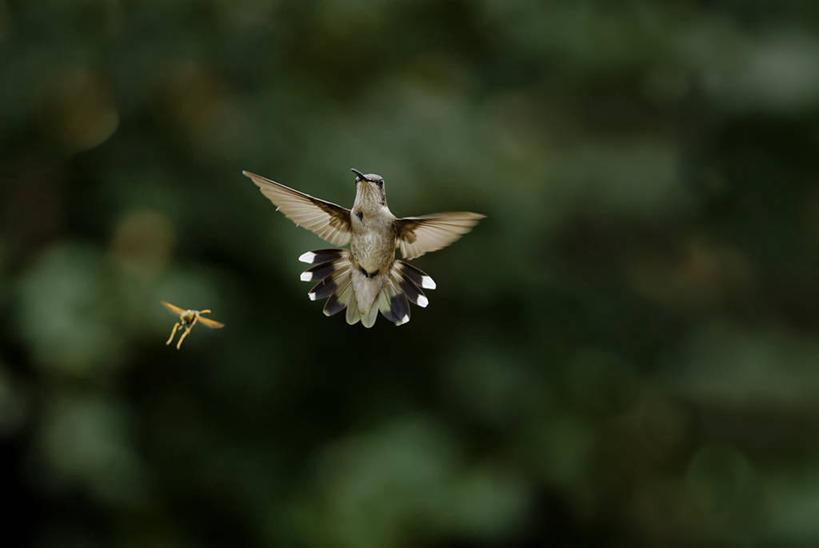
{"points": [[366, 278], [187, 319]]}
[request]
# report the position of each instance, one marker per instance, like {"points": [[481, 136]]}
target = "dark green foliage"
{"points": [[623, 353]]}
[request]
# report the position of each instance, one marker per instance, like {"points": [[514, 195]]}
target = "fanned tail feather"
{"points": [[417, 276], [402, 286], [321, 255], [333, 270], [353, 314]]}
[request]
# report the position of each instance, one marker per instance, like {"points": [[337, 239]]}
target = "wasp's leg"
{"points": [[182, 338], [173, 332], [185, 334]]}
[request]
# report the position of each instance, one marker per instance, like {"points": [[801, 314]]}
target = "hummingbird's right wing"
{"points": [[173, 308], [419, 235], [327, 220]]}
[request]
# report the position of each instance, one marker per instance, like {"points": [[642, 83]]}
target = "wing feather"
{"points": [[327, 220], [419, 235]]}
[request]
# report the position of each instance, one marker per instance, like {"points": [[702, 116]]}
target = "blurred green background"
{"points": [[623, 353]]}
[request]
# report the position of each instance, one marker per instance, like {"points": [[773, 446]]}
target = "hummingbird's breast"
{"points": [[373, 243]]}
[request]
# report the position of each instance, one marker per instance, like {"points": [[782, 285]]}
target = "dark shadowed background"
{"points": [[623, 353]]}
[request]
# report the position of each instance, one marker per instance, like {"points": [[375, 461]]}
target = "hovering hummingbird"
{"points": [[366, 278], [187, 319]]}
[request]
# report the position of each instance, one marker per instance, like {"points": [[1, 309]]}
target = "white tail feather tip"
{"points": [[427, 283], [311, 296], [307, 257], [403, 320], [422, 301], [306, 276]]}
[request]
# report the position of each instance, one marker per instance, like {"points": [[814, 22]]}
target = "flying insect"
{"points": [[187, 319]]}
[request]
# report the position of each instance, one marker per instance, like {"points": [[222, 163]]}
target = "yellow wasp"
{"points": [[187, 319]]}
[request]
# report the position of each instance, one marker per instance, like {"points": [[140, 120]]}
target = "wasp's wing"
{"points": [[213, 324], [173, 308], [419, 235], [327, 220]]}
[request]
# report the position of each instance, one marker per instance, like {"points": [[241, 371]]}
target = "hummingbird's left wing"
{"points": [[327, 220], [419, 235]]}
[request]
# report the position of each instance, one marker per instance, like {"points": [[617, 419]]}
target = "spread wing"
{"points": [[213, 324], [419, 235], [329, 221], [173, 308]]}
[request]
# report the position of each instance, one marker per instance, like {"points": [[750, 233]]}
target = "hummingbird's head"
{"points": [[369, 189]]}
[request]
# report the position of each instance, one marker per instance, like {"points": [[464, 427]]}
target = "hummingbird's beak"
{"points": [[358, 174]]}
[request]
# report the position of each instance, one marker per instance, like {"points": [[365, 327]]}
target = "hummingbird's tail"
{"points": [[389, 293], [333, 270], [403, 284]]}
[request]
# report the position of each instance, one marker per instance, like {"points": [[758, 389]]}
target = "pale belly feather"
{"points": [[372, 252], [373, 249]]}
